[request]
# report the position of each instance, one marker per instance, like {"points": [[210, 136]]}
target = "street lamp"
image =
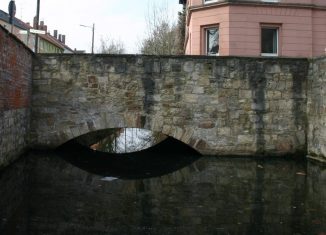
{"points": [[93, 29], [12, 12]]}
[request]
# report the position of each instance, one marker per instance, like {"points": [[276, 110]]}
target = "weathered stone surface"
{"points": [[317, 109], [216, 105]]}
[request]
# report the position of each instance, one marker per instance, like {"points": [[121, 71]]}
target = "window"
{"points": [[209, 1], [269, 41], [212, 41], [270, 0]]}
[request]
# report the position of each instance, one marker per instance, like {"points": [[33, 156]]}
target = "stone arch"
{"points": [[125, 120]]}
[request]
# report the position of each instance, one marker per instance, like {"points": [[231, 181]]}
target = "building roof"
{"points": [[52, 40], [16, 22], [22, 25], [16, 38]]}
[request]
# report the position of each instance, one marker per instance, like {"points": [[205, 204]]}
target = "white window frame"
{"points": [[270, 0], [210, 1], [206, 39], [277, 40]]}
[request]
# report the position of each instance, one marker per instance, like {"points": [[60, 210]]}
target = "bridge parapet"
{"points": [[217, 105]]}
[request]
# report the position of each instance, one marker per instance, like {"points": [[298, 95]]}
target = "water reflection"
{"points": [[14, 199], [121, 140], [167, 156], [211, 196]]}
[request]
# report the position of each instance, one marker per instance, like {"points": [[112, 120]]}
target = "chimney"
{"points": [[34, 23], [55, 33], [41, 25], [63, 39], [60, 38], [45, 28]]}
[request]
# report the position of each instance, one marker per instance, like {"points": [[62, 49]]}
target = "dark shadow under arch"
{"points": [[163, 158]]}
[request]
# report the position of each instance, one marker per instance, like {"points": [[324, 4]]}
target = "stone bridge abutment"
{"points": [[219, 106]]}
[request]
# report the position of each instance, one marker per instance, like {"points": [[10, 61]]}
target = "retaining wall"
{"points": [[317, 109], [15, 96]]}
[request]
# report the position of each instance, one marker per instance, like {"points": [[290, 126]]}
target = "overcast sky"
{"points": [[120, 20]]}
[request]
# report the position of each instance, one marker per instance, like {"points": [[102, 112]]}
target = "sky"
{"points": [[114, 19]]}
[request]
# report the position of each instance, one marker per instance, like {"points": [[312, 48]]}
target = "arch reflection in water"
{"points": [[95, 154], [127, 140]]}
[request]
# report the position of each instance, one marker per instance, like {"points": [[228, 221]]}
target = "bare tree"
{"points": [[163, 37], [127, 140], [110, 46], [182, 29]]}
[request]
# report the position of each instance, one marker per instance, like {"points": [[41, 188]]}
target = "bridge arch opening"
{"points": [[123, 141], [148, 155], [128, 140]]}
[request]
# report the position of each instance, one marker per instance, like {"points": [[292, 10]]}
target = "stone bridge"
{"points": [[219, 106]]}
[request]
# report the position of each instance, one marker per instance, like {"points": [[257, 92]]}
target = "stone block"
{"points": [[274, 95], [203, 81], [120, 67], [156, 67], [245, 94], [190, 98], [258, 106], [214, 99], [246, 139], [285, 145], [198, 90], [273, 68], [206, 125], [224, 131], [176, 67], [167, 129], [188, 67], [281, 86]]}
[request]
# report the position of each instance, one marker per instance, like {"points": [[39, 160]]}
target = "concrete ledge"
{"points": [[317, 159]]}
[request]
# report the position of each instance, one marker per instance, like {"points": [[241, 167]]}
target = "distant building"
{"points": [[47, 42], [290, 28]]}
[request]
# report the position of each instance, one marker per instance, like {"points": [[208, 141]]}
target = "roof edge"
{"points": [[16, 39]]}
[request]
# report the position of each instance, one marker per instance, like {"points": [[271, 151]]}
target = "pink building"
{"points": [[289, 28]]}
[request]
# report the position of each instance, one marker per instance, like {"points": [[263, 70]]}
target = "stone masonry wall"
{"points": [[219, 106], [15, 96], [317, 109]]}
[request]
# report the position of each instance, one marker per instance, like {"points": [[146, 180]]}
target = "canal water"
{"points": [[75, 191]]}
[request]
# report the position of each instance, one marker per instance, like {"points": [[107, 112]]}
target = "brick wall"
{"points": [[15, 93]]}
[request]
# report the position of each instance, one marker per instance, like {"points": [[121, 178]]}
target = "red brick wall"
{"points": [[15, 97], [15, 73]]}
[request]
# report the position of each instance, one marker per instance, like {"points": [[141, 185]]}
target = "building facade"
{"points": [[46, 42], [287, 28]]}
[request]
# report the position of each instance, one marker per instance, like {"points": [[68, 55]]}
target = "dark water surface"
{"points": [[45, 194]]}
